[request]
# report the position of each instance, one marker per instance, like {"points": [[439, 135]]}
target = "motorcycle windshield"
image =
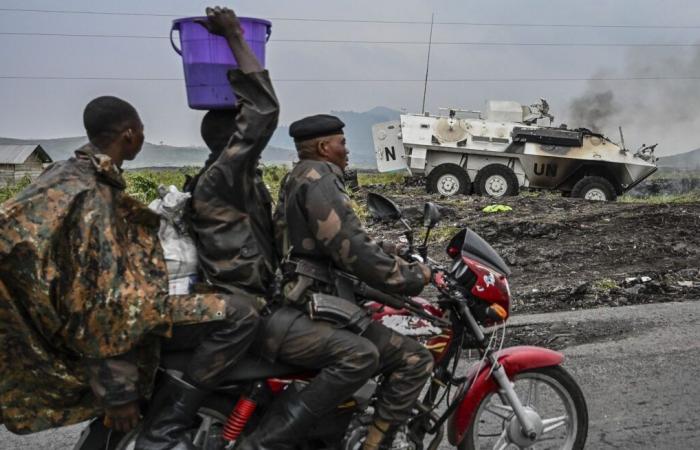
{"points": [[474, 247]]}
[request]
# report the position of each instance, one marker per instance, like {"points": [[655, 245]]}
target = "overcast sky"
{"points": [[646, 109]]}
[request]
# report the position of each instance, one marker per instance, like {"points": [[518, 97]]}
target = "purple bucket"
{"points": [[206, 58]]}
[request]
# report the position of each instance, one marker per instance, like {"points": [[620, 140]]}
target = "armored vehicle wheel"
{"points": [[448, 179], [594, 188], [496, 180]]}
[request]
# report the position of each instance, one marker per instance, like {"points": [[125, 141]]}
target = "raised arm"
{"points": [[257, 102]]}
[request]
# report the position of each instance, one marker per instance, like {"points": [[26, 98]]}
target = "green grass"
{"points": [[438, 234], [690, 197], [674, 174], [380, 178], [143, 184]]}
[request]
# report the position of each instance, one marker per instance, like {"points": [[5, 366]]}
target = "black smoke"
{"points": [[594, 109], [661, 103]]}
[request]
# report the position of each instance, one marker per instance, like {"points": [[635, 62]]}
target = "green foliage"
{"points": [[10, 190], [273, 176], [491, 209], [604, 284], [360, 210], [439, 234], [143, 184], [380, 178]]}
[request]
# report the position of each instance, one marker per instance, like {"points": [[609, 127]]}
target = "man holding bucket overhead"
{"points": [[231, 219], [172, 412]]}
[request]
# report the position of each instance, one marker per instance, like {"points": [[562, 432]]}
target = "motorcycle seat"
{"points": [[251, 367]]}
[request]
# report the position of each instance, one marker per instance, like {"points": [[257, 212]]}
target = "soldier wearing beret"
{"points": [[316, 222]]}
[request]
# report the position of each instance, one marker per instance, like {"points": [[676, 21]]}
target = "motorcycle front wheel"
{"points": [[207, 436], [549, 392]]}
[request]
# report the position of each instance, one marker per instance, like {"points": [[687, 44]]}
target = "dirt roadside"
{"points": [[569, 254]]}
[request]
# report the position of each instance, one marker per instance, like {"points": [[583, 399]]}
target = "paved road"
{"points": [[641, 388], [642, 391]]}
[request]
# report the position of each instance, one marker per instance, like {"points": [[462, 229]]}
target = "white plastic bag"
{"points": [[178, 246]]}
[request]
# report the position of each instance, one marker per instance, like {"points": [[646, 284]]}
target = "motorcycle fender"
{"points": [[514, 360]]}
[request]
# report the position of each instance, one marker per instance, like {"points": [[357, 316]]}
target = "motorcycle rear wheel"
{"points": [[206, 437], [553, 394]]}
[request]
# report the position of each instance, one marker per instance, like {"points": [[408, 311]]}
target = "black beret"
{"points": [[316, 126]]}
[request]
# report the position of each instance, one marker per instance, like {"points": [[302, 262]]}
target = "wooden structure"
{"points": [[18, 161]]}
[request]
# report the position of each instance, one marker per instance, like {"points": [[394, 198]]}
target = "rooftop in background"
{"points": [[18, 154]]}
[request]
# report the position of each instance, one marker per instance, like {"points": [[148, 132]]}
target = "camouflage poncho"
{"points": [[82, 276]]}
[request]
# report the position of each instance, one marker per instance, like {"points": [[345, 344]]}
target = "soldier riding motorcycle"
{"points": [[519, 396]]}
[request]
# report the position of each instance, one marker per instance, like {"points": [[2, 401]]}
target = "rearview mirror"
{"points": [[382, 208], [431, 215]]}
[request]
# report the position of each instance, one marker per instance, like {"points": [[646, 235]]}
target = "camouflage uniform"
{"points": [[83, 296], [232, 220], [316, 221], [231, 207]]}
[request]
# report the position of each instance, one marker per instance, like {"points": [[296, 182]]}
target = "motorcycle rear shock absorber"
{"points": [[244, 409]]}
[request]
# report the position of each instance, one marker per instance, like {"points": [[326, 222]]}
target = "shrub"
{"points": [[12, 189]]}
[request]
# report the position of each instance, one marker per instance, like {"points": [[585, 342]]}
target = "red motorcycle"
{"points": [[516, 397]]}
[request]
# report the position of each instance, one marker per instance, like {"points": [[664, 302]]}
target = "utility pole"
{"points": [[427, 64]]}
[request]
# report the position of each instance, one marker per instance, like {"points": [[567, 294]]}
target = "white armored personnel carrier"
{"points": [[503, 150]]}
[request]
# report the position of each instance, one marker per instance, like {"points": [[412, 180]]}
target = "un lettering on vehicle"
{"points": [[390, 154], [545, 169]]}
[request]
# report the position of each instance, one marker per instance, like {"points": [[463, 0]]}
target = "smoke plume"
{"points": [[649, 110], [593, 109]]}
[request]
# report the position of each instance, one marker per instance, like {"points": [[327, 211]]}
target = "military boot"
{"points": [[282, 428], [380, 435], [170, 415]]}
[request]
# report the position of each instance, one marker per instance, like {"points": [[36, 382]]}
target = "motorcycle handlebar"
{"points": [[428, 261], [396, 302], [382, 297]]}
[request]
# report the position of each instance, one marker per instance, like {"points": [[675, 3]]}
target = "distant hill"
{"points": [[689, 160], [358, 132], [152, 155]]}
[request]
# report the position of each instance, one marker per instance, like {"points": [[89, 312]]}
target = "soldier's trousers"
{"points": [[405, 365], [217, 345], [349, 360]]}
